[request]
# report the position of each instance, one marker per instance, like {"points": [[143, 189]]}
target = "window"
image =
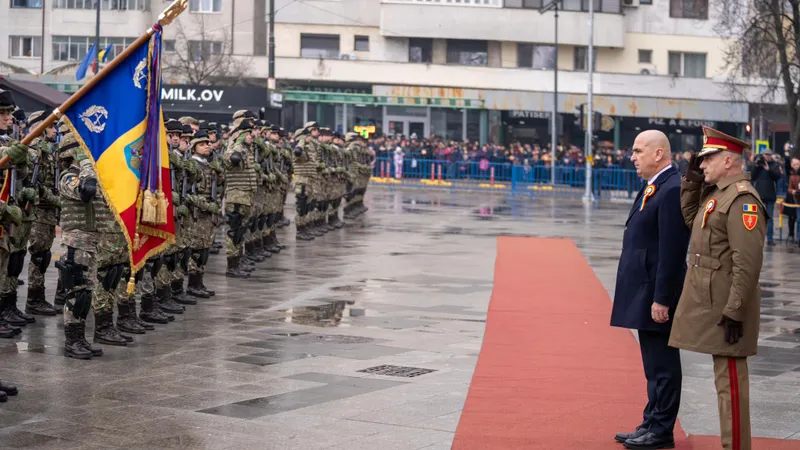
{"points": [[201, 50], [607, 6], [690, 65], [25, 47], [536, 56], [361, 44], [74, 48], [420, 50], [645, 56], [467, 52], [532, 4], [112, 5], [26, 3], [169, 45], [205, 6], [688, 9], [581, 59], [645, 2], [319, 46], [759, 62]]}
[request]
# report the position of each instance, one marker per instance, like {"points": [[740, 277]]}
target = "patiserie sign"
{"points": [[192, 94], [521, 114]]}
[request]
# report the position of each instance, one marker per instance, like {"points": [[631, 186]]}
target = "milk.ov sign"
{"points": [[192, 94]]}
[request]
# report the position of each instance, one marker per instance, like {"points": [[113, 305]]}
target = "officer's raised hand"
{"points": [[693, 172], [734, 329]]}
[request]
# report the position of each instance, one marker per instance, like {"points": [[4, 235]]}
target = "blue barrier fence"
{"points": [[570, 181]]}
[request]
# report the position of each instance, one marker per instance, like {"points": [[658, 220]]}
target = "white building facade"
{"points": [[481, 70]]}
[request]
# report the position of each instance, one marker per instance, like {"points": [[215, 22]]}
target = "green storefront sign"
{"points": [[380, 100]]}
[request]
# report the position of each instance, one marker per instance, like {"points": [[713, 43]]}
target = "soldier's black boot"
{"points": [[124, 321], [252, 254], [314, 229], [179, 296], [302, 233], [8, 389], [8, 310], [336, 222], [203, 285], [259, 249], [135, 317], [234, 270], [6, 331], [72, 343], [149, 313], [36, 303], [165, 302], [268, 242], [95, 351], [61, 297], [105, 332], [195, 288]]}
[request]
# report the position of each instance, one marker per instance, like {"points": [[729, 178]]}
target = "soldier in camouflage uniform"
{"points": [[10, 214], [169, 278], [288, 170], [215, 160], [276, 197], [326, 182], [252, 237], [204, 211], [94, 243], [306, 171], [26, 196], [240, 187], [45, 217], [339, 180]]}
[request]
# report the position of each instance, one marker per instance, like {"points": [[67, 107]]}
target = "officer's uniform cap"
{"points": [[716, 141]]}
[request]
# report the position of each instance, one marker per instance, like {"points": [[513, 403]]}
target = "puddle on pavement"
{"points": [[333, 314], [769, 284], [767, 293]]}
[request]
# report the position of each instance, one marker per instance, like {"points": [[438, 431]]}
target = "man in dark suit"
{"points": [[649, 282]]}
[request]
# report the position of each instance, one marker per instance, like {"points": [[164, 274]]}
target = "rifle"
{"points": [[34, 178], [215, 218], [57, 168], [185, 180]]}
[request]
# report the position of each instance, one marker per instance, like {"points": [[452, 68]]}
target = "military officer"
{"points": [[287, 167], [277, 195], [81, 232], [306, 169], [719, 309], [10, 214], [340, 179], [252, 239], [45, 217], [240, 188], [204, 213]]}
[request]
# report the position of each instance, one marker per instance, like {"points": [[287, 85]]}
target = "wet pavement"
{"points": [[364, 338]]}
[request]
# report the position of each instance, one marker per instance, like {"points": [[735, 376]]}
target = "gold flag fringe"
{"points": [[149, 208], [161, 211]]}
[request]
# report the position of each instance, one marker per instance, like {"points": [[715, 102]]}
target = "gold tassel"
{"points": [[136, 241], [132, 285], [161, 211], [149, 207]]}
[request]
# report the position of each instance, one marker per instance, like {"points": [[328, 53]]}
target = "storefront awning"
{"points": [[381, 100], [33, 96]]}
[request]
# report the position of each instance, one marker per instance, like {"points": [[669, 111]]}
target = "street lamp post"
{"points": [[588, 194], [553, 5]]}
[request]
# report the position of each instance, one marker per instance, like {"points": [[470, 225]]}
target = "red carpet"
{"points": [[552, 373]]}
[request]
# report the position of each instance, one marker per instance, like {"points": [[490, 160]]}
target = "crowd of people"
{"points": [[236, 174]]}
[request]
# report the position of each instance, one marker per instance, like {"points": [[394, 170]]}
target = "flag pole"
{"points": [[165, 18]]}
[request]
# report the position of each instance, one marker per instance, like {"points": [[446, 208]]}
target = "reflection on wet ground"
{"points": [[364, 338]]}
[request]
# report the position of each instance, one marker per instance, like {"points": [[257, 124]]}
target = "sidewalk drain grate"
{"points": [[397, 371]]}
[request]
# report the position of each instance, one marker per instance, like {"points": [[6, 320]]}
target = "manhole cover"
{"points": [[335, 339], [397, 371]]}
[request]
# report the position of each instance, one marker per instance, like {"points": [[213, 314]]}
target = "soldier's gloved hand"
{"points": [[734, 329], [213, 209], [190, 200], [283, 178], [17, 153], [27, 194], [80, 156], [271, 178], [216, 166], [14, 214], [190, 169], [259, 170], [176, 198], [693, 172], [182, 211]]}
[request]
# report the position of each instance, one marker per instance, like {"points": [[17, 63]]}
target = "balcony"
{"points": [[489, 20]]}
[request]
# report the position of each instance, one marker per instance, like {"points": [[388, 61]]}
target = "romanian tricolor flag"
{"points": [[120, 125], [750, 207]]}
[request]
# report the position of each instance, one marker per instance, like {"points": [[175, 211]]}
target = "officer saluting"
{"points": [[719, 309]]}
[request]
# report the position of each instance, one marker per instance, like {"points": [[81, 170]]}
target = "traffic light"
{"points": [[597, 118], [748, 128]]}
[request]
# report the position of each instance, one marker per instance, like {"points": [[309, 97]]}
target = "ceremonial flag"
{"points": [[102, 56], [118, 122]]}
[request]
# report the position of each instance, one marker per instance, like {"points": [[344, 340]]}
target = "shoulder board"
{"points": [[742, 186]]}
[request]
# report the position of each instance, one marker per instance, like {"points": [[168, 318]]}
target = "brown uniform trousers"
{"points": [[728, 223]]}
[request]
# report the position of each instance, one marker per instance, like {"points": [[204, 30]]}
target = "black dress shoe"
{"points": [[622, 437], [650, 441]]}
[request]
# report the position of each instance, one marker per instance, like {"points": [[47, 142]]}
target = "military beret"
{"points": [[199, 137], [173, 126], [7, 104], [187, 131]]}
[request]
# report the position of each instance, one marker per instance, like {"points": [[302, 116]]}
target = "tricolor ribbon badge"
{"points": [[648, 192], [709, 207]]}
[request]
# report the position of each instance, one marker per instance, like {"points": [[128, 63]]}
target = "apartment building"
{"points": [[481, 70]]}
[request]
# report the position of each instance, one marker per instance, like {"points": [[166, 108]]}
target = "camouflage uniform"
{"points": [[276, 183], [339, 179], [307, 170], [240, 187], [45, 219], [204, 212], [287, 168], [96, 254], [252, 237]]}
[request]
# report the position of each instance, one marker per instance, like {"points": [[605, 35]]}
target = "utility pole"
{"points": [[271, 41], [96, 39], [588, 195], [554, 115], [41, 48]]}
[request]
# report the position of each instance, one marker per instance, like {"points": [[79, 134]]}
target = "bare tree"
{"points": [[204, 56], [761, 56]]}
